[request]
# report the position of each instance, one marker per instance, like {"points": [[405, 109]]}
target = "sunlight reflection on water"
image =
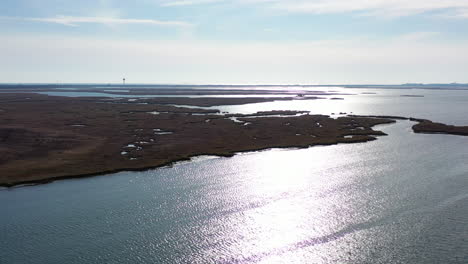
{"points": [[356, 203], [400, 199]]}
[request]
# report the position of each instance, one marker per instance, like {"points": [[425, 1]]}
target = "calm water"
{"points": [[400, 199]]}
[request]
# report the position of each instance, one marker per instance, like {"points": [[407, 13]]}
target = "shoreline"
{"points": [[425, 126], [44, 138], [48, 138], [170, 163]]}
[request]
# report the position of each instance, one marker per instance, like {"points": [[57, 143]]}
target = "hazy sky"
{"points": [[234, 42]]}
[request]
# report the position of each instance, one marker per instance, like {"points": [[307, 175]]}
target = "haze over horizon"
{"points": [[234, 42]]}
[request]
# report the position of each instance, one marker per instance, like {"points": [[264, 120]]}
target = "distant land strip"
{"points": [[425, 126]]}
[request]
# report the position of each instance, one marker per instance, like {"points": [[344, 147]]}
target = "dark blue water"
{"points": [[400, 199]]}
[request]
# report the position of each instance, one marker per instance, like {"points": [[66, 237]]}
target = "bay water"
{"points": [[400, 199]]}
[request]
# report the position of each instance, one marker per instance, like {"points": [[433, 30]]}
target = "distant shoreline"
{"points": [[430, 86]]}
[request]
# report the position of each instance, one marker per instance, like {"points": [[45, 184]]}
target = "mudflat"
{"points": [[44, 138], [429, 127], [424, 126]]}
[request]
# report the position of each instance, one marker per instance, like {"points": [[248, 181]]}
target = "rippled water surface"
{"points": [[400, 199]]}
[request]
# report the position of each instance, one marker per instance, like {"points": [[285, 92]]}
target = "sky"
{"points": [[234, 42]]}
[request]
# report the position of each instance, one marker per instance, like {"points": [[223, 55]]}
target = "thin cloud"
{"points": [[379, 8], [351, 61], [425, 35], [75, 21], [189, 2], [457, 14]]}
